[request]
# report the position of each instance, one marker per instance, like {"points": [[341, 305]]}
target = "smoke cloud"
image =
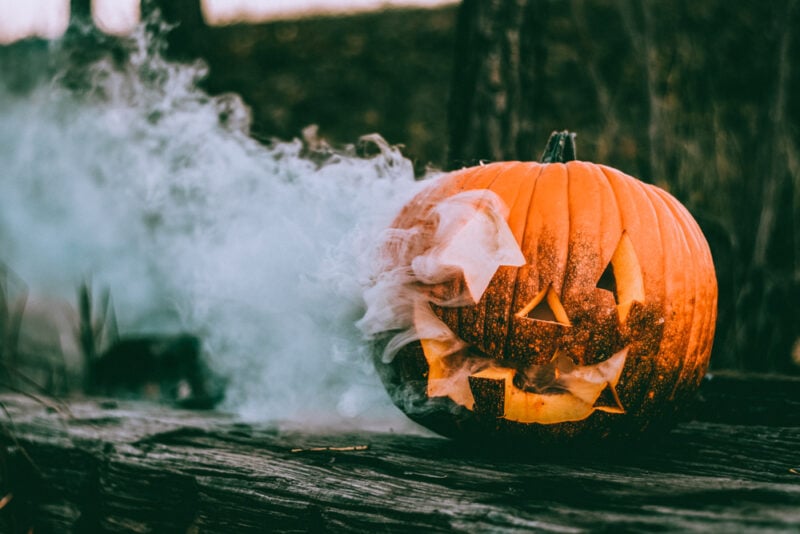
{"points": [[153, 189]]}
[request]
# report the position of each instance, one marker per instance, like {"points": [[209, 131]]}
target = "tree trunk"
{"points": [[188, 39], [493, 89], [80, 9]]}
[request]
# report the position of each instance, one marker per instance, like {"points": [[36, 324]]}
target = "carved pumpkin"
{"points": [[543, 300]]}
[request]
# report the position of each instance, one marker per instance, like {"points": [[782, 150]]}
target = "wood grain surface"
{"points": [[112, 466]]}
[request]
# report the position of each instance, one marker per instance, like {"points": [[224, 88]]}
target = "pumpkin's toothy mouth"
{"points": [[556, 392]]}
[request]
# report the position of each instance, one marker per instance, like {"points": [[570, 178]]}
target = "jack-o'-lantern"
{"points": [[550, 300]]}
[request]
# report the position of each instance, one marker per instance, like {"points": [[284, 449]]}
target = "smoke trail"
{"points": [[154, 188]]}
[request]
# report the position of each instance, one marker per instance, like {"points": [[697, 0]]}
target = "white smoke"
{"points": [[153, 189], [464, 237]]}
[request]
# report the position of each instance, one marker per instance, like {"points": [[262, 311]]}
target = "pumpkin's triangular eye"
{"points": [[607, 280], [623, 277], [545, 306]]}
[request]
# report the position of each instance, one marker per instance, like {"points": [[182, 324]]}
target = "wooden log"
{"points": [[135, 467]]}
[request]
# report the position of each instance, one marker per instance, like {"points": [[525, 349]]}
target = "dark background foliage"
{"points": [[699, 97]]}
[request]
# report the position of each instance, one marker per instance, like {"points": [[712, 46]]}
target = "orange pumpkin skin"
{"points": [[633, 277]]}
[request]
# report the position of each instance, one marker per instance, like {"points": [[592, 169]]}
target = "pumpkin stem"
{"points": [[560, 148]]}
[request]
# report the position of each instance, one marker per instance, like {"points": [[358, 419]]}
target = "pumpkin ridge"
{"points": [[610, 224], [582, 204], [574, 208], [687, 341], [622, 214], [516, 207], [512, 302], [634, 192], [483, 179], [628, 222], [705, 298], [567, 232], [674, 336], [536, 181], [578, 200], [546, 234], [498, 310], [475, 315], [705, 301], [700, 329], [602, 179], [667, 336], [478, 315]]}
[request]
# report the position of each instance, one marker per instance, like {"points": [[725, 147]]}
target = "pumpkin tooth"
{"points": [[612, 405], [444, 378]]}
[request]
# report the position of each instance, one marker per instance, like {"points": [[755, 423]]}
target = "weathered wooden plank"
{"points": [[143, 468], [735, 397]]}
